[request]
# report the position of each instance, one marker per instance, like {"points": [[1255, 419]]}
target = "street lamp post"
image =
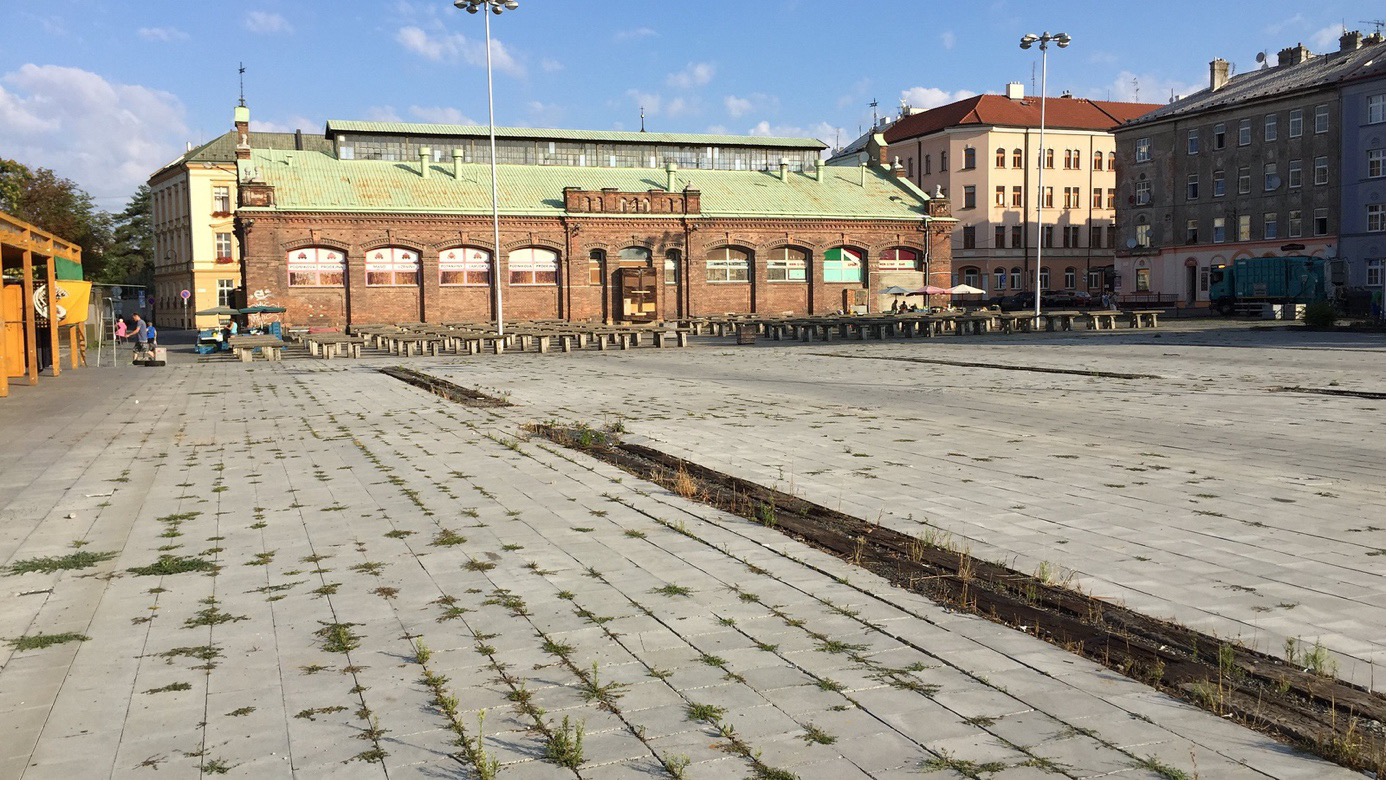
{"points": [[497, 7], [1026, 42]]}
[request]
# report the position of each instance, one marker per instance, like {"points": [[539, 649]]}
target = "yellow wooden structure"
{"points": [[24, 246]]}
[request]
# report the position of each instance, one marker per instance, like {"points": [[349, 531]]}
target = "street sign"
{"points": [[185, 294]]}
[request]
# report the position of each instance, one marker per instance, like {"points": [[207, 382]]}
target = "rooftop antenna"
{"points": [[643, 111], [1033, 79], [1135, 82], [874, 105], [241, 77], [1379, 24]]}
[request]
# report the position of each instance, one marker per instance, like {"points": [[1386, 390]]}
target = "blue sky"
{"points": [[107, 92]]}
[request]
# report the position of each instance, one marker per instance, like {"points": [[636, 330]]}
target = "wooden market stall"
{"points": [[25, 318]]}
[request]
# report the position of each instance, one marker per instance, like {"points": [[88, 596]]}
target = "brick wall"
{"points": [[269, 237]]}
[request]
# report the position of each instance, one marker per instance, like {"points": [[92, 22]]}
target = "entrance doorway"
{"points": [[1191, 284], [634, 293]]}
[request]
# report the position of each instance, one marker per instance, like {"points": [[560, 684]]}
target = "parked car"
{"points": [[1019, 301], [1066, 299]]}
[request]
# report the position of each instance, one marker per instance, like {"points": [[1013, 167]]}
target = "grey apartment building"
{"points": [[1286, 159]]}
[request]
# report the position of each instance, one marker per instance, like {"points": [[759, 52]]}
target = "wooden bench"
{"points": [[330, 345], [245, 347], [1103, 320], [1144, 318]]}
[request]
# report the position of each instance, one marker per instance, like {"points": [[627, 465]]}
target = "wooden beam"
{"points": [[54, 357], [26, 307]]}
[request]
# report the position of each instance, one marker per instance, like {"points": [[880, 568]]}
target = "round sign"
{"points": [[185, 294]]}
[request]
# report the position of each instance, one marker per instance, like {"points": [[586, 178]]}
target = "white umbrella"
{"points": [[965, 289]]}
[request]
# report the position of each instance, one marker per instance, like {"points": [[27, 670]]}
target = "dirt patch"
{"points": [[1334, 719], [1374, 396], [964, 364], [444, 389]]}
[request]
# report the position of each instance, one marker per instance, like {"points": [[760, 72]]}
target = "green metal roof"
{"points": [[316, 182], [558, 134], [223, 148]]}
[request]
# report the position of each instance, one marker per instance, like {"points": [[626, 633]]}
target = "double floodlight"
{"points": [[497, 6], [1027, 41]]}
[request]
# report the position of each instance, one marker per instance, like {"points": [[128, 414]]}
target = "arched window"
{"points": [[533, 267], [635, 253], [898, 259], [392, 266], [673, 264], [969, 158], [1016, 278], [728, 265], [843, 265], [1069, 278], [787, 264], [1000, 282], [1098, 161], [970, 276], [1050, 159], [316, 267], [1110, 162], [999, 158], [1018, 158], [596, 260], [463, 266]]}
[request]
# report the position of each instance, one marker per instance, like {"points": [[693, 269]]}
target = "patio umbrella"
{"points": [[930, 290], [220, 310], [262, 309], [895, 290], [965, 289]]}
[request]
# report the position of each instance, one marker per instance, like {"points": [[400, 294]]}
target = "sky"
{"points": [[106, 93]]}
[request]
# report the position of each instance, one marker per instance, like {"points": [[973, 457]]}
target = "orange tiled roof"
{"points": [[1069, 113]]}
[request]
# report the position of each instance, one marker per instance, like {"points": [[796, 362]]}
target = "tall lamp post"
{"points": [[1026, 42], [497, 7]]}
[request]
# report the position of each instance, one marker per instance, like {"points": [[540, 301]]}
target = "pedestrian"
{"points": [[121, 330], [142, 337], [151, 335]]}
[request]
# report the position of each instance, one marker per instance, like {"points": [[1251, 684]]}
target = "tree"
{"points": [[56, 205], [130, 257]]}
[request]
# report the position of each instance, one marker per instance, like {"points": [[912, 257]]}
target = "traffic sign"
{"points": [[185, 294]]}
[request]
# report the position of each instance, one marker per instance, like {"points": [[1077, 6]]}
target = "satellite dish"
{"points": [[1261, 57], [1131, 243]]}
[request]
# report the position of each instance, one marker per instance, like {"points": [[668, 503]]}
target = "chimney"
{"points": [[424, 162], [458, 164], [241, 118], [1220, 74], [782, 169], [898, 169], [820, 170], [1294, 55], [1351, 40], [1065, 94], [289, 159], [298, 139], [863, 174], [1014, 91], [671, 176]]}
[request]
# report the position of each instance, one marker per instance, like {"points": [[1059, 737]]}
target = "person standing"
{"points": [[142, 337]]}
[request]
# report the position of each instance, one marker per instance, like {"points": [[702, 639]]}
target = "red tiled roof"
{"points": [[1070, 113]]}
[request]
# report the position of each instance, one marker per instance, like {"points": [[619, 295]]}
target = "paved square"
{"points": [[351, 519]]}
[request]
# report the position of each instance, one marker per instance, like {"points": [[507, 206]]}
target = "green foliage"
{"points": [[72, 561], [57, 205], [28, 642], [1320, 315]]}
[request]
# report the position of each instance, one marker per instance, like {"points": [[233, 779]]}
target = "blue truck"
{"points": [[1249, 284]]}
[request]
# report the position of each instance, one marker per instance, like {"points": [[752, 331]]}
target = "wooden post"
{"points": [[26, 307], [4, 361], [51, 280]]}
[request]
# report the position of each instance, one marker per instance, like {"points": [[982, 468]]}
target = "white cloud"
{"points": [[651, 102], [550, 65], [634, 34], [932, 97], [1274, 28], [822, 130], [717, 129], [1327, 38], [545, 115], [1152, 89], [445, 115], [737, 107], [46, 120], [162, 34], [382, 114], [948, 40], [694, 75], [267, 22], [456, 47], [289, 125]]}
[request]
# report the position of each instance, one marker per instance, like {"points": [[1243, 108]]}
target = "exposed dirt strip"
{"points": [[964, 364], [1332, 718], [443, 388], [1374, 396]]}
